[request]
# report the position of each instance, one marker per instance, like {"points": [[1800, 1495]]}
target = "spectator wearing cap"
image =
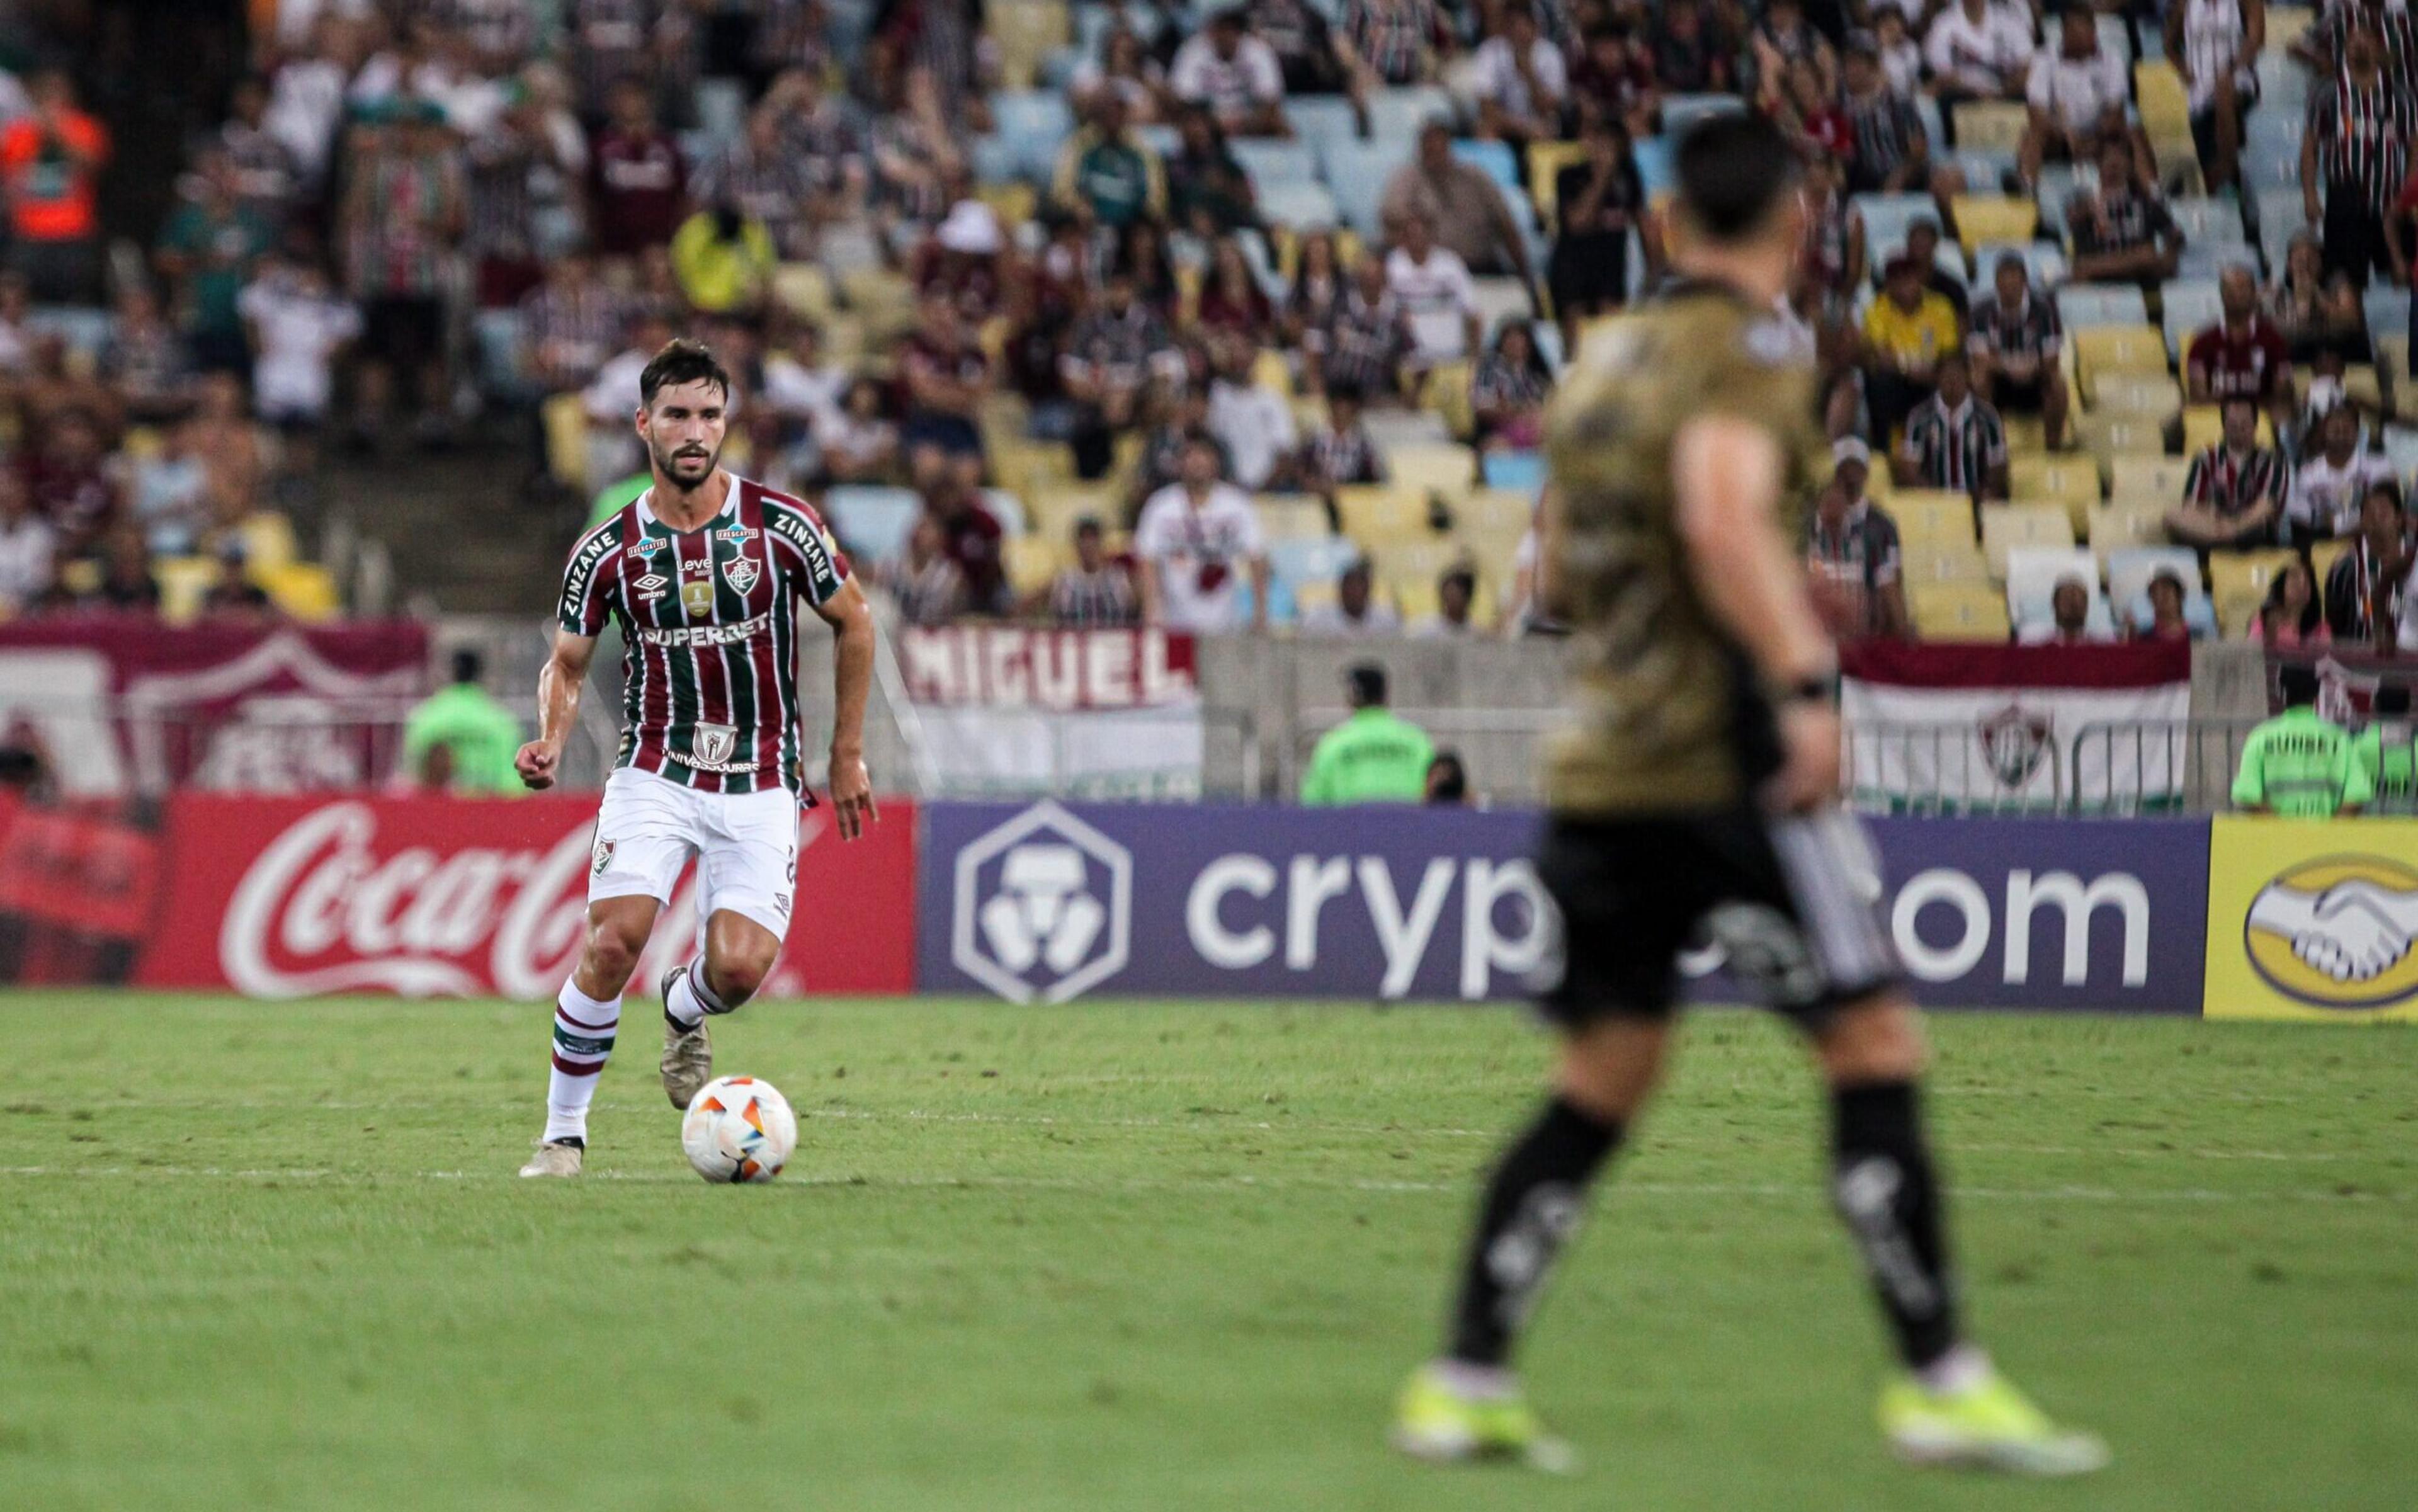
{"points": [[1437, 293], [1357, 610], [2367, 597], [2331, 480], [1096, 591], [2075, 96], [1234, 74], [962, 259], [1197, 539], [1979, 50], [2069, 622], [1105, 169], [2122, 231], [1852, 551], [1521, 81], [1464, 208], [1456, 597], [1953, 440], [1906, 331], [2015, 345], [1373, 757], [1891, 151], [2234, 492], [2166, 621], [49, 176]]}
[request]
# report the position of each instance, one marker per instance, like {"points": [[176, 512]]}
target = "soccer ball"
{"points": [[739, 1129]]}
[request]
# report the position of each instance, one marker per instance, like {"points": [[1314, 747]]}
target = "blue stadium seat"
{"points": [[1887, 217], [2208, 259], [1656, 169], [872, 521], [1357, 171], [1270, 161], [2084, 305], [2190, 305], [1299, 206], [1319, 119], [2205, 218], [1523, 472], [1494, 157], [1395, 114], [2388, 312], [1035, 122], [1680, 112], [1316, 560], [996, 159]]}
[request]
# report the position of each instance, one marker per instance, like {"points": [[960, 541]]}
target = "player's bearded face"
{"points": [[685, 428]]}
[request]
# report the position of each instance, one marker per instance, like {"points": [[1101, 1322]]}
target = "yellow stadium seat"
{"points": [[2204, 427], [1272, 372], [2005, 527], [883, 300], [2123, 522], [1051, 509], [2069, 481], [1496, 513], [2099, 349], [2141, 479], [2392, 357], [1931, 514], [2025, 433], [1022, 466], [804, 289], [183, 582], [1942, 561], [1014, 203], [2113, 436], [268, 540], [564, 419], [1292, 517], [1446, 395], [1957, 611], [1545, 161], [1447, 468], [1990, 125], [303, 589], [1026, 32], [2322, 555], [2165, 104], [2285, 24], [2245, 574], [2143, 395], [1382, 512], [1984, 218], [1031, 562]]}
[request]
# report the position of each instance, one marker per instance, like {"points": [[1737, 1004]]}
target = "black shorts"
{"points": [[1789, 899], [404, 330], [2027, 398]]}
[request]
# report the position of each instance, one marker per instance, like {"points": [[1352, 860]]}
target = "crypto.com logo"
{"points": [[1043, 906], [2336, 932]]}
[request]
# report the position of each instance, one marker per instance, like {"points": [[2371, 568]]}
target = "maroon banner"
{"points": [[1011, 666], [282, 897], [118, 705], [2140, 664]]}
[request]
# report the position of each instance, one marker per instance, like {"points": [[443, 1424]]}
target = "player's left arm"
{"points": [[851, 787]]}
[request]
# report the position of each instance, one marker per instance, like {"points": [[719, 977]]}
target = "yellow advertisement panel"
{"points": [[2313, 919]]}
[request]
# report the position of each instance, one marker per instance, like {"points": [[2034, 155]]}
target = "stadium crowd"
{"points": [[1247, 315]]}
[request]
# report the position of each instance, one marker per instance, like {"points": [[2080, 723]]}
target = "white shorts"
{"points": [[745, 846]]}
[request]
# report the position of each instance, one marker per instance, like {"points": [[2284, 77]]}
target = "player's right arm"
{"points": [[558, 706], [1728, 471]]}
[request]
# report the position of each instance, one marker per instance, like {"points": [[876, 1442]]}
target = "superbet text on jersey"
{"points": [[708, 617]]}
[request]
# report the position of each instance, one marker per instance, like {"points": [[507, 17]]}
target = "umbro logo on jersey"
{"points": [[741, 573], [651, 583]]}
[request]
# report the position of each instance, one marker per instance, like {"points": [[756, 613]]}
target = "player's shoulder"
{"points": [[1690, 334], [602, 538]]}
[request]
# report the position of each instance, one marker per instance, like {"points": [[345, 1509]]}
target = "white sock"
{"points": [[690, 998], [1959, 1369], [583, 1027]]}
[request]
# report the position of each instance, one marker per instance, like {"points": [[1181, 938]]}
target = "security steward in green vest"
{"points": [[1371, 758], [2298, 765]]}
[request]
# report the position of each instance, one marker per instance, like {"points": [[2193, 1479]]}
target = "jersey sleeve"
{"points": [[814, 568], [588, 583]]}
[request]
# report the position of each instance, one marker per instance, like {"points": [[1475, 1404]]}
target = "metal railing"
{"points": [[2165, 766], [1959, 767]]}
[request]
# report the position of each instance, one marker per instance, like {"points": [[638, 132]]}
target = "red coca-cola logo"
{"points": [[323, 908]]}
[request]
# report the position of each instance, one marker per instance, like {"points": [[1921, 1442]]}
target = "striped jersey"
{"points": [[1955, 449], [708, 619], [2364, 136], [2237, 483]]}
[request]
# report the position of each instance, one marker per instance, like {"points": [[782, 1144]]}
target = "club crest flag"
{"points": [[1948, 728]]}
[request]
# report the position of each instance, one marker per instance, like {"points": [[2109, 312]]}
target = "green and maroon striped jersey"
{"points": [[709, 624]]}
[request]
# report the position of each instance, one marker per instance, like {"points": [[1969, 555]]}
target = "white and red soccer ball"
{"points": [[739, 1129]]}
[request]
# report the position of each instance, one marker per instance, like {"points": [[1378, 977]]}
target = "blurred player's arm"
{"points": [[851, 787], [1728, 471], [558, 684]]}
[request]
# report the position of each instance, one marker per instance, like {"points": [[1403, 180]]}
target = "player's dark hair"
{"points": [[1734, 170], [2299, 685], [682, 361]]}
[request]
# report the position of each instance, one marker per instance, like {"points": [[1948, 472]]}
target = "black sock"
{"points": [[1888, 1197], [1531, 1205]]}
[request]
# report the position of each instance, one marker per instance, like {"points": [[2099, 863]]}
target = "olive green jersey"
{"points": [[1665, 712]]}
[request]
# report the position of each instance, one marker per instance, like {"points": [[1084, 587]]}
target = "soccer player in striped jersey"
{"points": [[704, 572]]}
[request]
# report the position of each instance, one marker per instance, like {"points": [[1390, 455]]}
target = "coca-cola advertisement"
{"points": [[119, 706], [422, 896]]}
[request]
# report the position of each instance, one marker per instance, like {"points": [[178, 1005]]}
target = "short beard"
{"points": [[664, 466]]}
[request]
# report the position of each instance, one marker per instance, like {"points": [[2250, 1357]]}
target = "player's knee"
{"points": [[737, 974], [1877, 1039], [611, 954]]}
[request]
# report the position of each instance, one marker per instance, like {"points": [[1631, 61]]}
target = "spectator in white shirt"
{"points": [[1979, 50], [2076, 95], [1254, 424], [1434, 289], [29, 546], [1224, 67], [1521, 81], [2330, 480], [297, 327], [1901, 56], [1456, 595], [1196, 539], [1356, 610]]}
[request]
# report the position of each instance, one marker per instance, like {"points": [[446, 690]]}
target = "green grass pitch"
{"points": [[1148, 1256]]}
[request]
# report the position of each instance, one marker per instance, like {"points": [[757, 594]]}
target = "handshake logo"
{"points": [[2338, 932]]}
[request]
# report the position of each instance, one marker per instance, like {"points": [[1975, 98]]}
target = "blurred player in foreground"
{"points": [[1696, 794], [704, 572]]}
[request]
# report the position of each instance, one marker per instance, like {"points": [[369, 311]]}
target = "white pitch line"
{"points": [[1807, 1191]]}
